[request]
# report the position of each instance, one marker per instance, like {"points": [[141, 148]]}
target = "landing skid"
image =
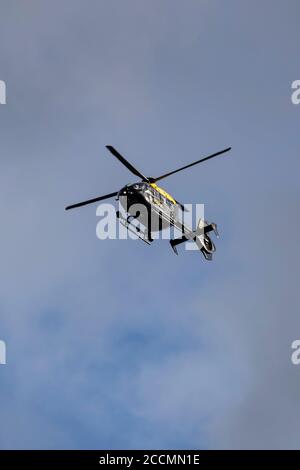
{"points": [[142, 235]]}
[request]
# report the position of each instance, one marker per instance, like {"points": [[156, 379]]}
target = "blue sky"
{"points": [[115, 344]]}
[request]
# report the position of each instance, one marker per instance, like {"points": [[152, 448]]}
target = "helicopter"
{"points": [[156, 201]]}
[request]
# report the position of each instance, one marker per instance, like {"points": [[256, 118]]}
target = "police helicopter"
{"points": [[151, 200]]}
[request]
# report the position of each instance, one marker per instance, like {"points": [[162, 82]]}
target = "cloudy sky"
{"points": [[115, 344]]}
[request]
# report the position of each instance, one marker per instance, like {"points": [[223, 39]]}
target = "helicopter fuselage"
{"points": [[149, 204]]}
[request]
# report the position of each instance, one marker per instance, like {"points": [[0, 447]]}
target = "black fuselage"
{"points": [[148, 205]]}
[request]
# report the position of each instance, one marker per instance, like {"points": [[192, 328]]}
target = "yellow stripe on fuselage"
{"points": [[163, 192]]}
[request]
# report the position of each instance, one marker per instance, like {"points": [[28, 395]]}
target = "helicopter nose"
{"points": [[123, 192]]}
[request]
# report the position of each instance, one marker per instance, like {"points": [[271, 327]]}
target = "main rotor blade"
{"points": [[90, 201], [188, 166], [126, 163]]}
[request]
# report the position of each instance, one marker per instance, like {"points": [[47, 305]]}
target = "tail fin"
{"points": [[201, 238]]}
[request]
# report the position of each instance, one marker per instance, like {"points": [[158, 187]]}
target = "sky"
{"points": [[115, 344]]}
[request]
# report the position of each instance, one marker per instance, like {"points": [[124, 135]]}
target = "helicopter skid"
{"points": [[139, 233]]}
